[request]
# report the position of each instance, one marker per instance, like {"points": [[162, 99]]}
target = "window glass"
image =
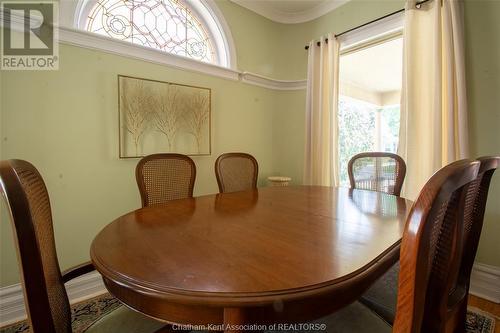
{"points": [[369, 102], [167, 25]]}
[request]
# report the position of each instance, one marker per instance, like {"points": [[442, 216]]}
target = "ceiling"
{"points": [[376, 69], [291, 11]]}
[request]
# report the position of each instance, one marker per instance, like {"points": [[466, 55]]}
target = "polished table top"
{"points": [[247, 248]]}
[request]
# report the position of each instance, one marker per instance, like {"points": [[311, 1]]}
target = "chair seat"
{"points": [[383, 295], [124, 320], [351, 319]]}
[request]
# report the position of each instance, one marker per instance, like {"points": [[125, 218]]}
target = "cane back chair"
{"points": [[236, 172], [377, 171], [46, 300], [165, 177]]}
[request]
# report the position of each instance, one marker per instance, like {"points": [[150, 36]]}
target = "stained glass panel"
{"points": [[167, 25]]}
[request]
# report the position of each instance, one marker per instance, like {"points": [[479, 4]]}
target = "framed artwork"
{"points": [[162, 117]]}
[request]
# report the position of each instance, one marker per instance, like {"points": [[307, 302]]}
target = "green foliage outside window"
{"points": [[357, 132]]}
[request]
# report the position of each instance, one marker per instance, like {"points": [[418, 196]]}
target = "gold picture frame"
{"points": [[163, 117]]}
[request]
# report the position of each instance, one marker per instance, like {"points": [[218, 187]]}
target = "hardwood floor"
{"points": [[487, 306]]}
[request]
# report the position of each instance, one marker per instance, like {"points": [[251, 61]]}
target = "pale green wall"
{"points": [[482, 35], [289, 118], [47, 116], [294, 37], [64, 122], [288, 135], [255, 38]]}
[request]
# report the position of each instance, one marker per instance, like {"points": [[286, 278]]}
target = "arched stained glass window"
{"points": [[168, 25]]}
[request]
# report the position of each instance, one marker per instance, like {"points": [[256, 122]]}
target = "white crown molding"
{"points": [[12, 307], [485, 283], [263, 81], [263, 9], [380, 29]]}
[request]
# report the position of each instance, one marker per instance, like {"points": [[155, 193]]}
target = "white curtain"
{"points": [[434, 129], [321, 148]]}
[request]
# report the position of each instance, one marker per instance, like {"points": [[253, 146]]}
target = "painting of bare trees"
{"points": [[160, 116]]}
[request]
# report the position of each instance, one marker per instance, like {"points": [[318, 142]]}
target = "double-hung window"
{"points": [[369, 97]]}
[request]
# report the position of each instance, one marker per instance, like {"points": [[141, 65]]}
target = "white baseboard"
{"points": [[485, 283], [12, 301]]}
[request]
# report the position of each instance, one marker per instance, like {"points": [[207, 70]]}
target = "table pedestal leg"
{"points": [[232, 318]]}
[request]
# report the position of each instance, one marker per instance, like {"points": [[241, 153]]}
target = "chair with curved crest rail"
{"points": [[433, 258], [377, 171], [47, 302], [165, 177], [236, 172], [382, 296]]}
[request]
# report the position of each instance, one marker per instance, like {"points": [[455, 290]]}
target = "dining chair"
{"points": [[377, 171], [165, 177], [236, 172], [47, 303], [431, 286], [382, 295]]}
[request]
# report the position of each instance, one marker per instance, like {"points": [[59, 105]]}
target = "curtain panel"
{"points": [[321, 144], [434, 129]]}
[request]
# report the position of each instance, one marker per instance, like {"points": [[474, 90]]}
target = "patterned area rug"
{"points": [[85, 313], [479, 321]]}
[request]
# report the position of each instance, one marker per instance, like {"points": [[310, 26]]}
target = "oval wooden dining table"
{"points": [[272, 255]]}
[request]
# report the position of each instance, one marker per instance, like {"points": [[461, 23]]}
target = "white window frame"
{"points": [[372, 33], [377, 32]]}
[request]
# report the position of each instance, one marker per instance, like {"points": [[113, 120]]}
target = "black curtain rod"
{"points": [[417, 5]]}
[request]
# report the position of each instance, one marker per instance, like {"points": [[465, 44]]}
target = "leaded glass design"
{"points": [[167, 25]]}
